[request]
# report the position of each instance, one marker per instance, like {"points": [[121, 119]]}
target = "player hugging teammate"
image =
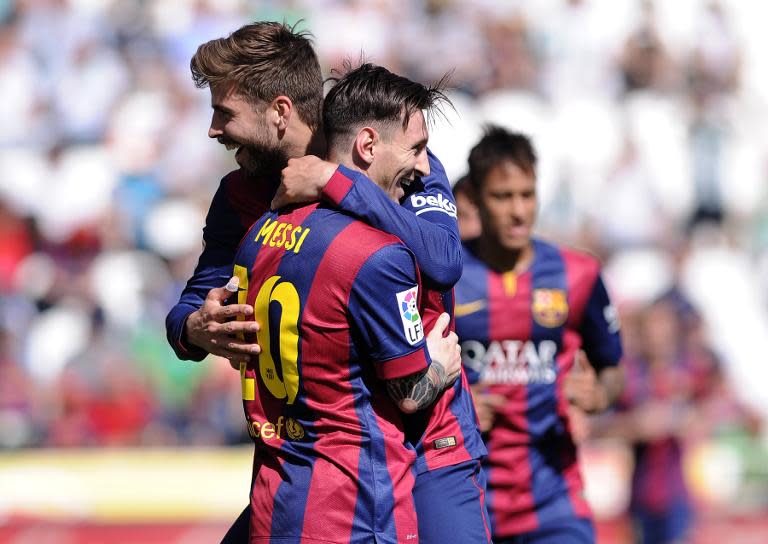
{"points": [[353, 390]]}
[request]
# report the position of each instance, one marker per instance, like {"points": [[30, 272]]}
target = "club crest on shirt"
{"points": [[549, 307], [408, 305], [293, 429]]}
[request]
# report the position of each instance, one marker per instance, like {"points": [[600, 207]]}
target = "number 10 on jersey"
{"points": [[286, 295]]}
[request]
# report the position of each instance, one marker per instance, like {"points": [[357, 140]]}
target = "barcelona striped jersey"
{"points": [[444, 434], [337, 301], [519, 335]]}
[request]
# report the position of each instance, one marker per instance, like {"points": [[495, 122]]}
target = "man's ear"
{"points": [[365, 145], [280, 112]]}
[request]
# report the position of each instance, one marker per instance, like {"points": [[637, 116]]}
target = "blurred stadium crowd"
{"points": [[651, 123]]}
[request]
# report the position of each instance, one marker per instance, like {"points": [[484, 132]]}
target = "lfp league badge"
{"points": [[408, 304]]}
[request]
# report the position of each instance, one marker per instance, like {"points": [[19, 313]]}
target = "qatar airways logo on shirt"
{"points": [[430, 203], [511, 361]]}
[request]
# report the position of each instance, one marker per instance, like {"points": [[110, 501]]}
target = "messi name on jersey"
{"points": [[512, 361], [279, 234]]}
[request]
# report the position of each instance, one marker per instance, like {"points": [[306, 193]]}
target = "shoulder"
{"points": [[469, 255], [346, 239], [235, 176], [234, 182], [386, 268], [575, 260], [361, 246], [580, 260], [360, 237], [374, 247], [389, 253], [247, 196]]}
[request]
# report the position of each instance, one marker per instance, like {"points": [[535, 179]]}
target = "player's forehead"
{"points": [[416, 133], [417, 125], [221, 92], [228, 96], [509, 175]]}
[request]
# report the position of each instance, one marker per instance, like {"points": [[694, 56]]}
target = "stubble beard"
{"points": [[263, 161]]}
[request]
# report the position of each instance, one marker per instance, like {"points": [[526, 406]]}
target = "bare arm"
{"points": [[486, 405], [590, 391], [612, 380], [417, 391]]}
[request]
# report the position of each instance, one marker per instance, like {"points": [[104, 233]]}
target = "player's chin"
{"points": [[396, 192], [241, 156], [515, 243]]}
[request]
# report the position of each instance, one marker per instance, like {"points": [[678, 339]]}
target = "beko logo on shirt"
{"points": [[433, 203]]}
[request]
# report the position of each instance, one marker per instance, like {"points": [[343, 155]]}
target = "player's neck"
{"points": [[301, 140], [502, 259], [317, 144], [339, 156]]}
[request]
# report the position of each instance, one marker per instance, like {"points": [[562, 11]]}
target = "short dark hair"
{"points": [[495, 147], [264, 60], [373, 93], [461, 186]]}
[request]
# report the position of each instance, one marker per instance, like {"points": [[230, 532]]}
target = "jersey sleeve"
{"points": [[433, 236], [384, 312], [600, 328], [221, 235]]}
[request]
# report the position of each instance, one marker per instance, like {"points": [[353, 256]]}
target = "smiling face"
{"points": [[400, 156], [507, 205], [238, 124]]}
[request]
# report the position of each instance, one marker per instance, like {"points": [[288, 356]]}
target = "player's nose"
{"points": [[214, 132], [216, 128], [422, 163], [517, 208]]}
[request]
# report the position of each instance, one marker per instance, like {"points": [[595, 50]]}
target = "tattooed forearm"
{"points": [[419, 390]]}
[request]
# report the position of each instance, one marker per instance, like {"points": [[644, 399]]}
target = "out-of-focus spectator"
{"points": [[673, 380], [511, 53], [15, 244], [645, 61], [449, 45], [638, 218], [715, 63]]}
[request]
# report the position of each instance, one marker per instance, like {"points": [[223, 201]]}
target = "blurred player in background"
{"points": [[524, 310], [676, 395], [466, 211], [654, 413], [256, 110], [348, 298]]}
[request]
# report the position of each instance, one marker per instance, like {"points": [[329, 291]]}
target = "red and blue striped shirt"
{"points": [[337, 301], [450, 434], [519, 335]]}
